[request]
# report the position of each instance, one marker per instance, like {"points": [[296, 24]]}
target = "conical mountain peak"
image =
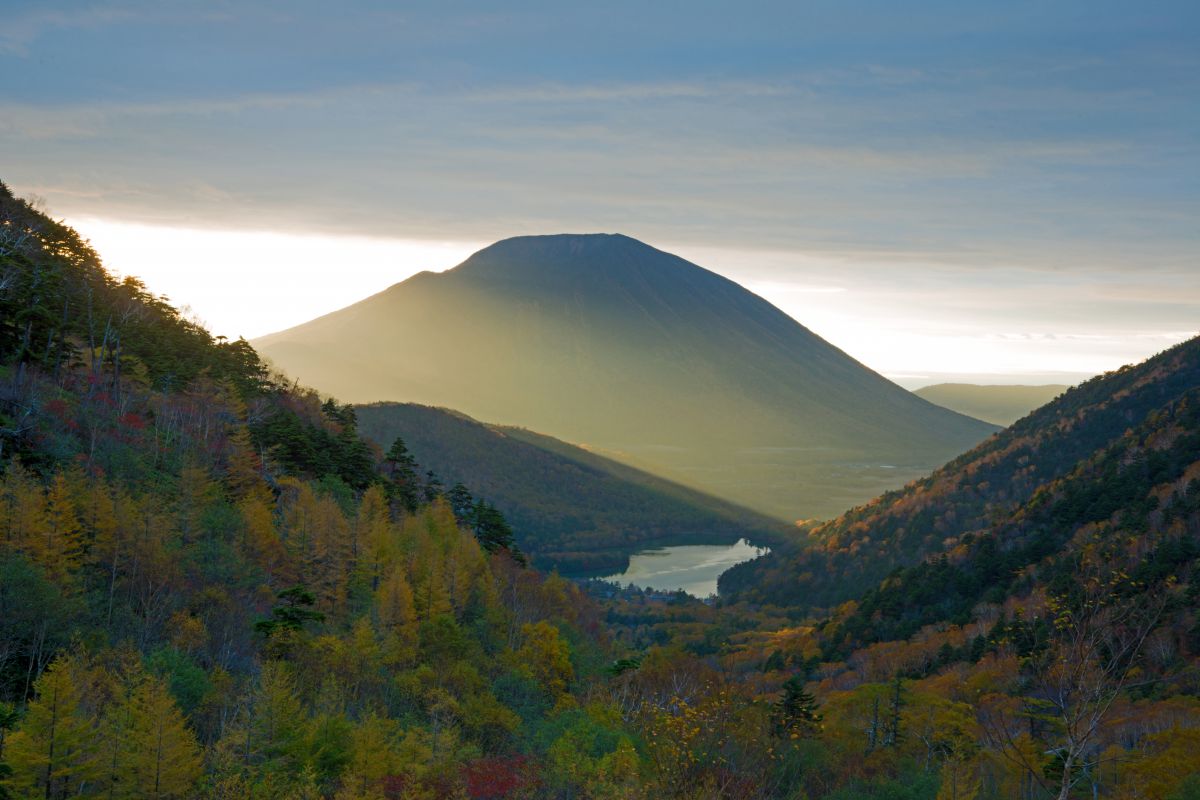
{"points": [[565, 255], [604, 340]]}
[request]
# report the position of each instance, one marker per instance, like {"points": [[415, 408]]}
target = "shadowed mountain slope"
{"points": [[603, 340], [569, 508], [999, 405], [1116, 456]]}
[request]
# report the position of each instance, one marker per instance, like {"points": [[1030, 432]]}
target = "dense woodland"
{"points": [[212, 587], [571, 509]]}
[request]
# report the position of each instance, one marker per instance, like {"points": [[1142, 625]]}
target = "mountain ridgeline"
{"points": [[570, 509], [605, 341], [1115, 456]]}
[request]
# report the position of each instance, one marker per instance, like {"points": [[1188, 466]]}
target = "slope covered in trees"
{"points": [[569, 508], [212, 587], [604, 341], [1035, 600], [1077, 461], [1000, 405]]}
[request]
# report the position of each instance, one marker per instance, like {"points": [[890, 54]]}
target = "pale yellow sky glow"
{"points": [[250, 283]]}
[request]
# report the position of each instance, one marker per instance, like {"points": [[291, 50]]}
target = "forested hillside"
{"points": [[1040, 592], [212, 587], [571, 509], [1098, 448]]}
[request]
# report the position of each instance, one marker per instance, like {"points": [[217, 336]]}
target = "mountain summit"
{"points": [[603, 340]]}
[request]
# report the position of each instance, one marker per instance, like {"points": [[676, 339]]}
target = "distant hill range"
{"points": [[570, 509], [999, 405], [602, 340], [1112, 463]]}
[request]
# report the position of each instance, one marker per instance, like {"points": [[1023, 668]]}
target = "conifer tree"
{"points": [[164, 759], [795, 713], [374, 756], [433, 486], [53, 753], [275, 735], [243, 467], [61, 549], [402, 468], [461, 503], [491, 528]]}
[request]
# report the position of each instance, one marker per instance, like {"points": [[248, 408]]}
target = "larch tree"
{"points": [[60, 551], [164, 758], [53, 754]]}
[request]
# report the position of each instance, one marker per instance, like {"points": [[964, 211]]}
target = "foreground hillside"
{"points": [[604, 341], [211, 586], [1029, 611], [569, 508], [999, 405]]}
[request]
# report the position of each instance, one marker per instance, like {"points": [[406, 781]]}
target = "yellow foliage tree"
{"points": [[164, 760], [545, 656], [1168, 758], [54, 754], [60, 549]]}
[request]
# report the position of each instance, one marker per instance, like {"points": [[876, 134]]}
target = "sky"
{"points": [[998, 192]]}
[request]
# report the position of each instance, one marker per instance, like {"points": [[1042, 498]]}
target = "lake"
{"points": [[693, 568]]}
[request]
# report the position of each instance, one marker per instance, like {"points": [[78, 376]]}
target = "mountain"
{"points": [[1115, 455], [605, 341], [569, 508], [1039, 593], [1000, 405]]}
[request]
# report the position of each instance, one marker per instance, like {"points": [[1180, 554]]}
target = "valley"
{"points": [[216, 582]]}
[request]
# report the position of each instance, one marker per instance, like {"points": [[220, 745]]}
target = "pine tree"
{"points": [[433, 486], [461, 503], [293, 614], [403, 470], [795, 713], [491, 528]]}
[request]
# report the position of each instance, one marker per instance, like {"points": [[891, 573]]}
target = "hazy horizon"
{"points": [[194, 273], [940, 190]]}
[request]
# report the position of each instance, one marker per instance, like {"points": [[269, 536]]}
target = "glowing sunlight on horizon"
{"points": [[251, 283]]}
